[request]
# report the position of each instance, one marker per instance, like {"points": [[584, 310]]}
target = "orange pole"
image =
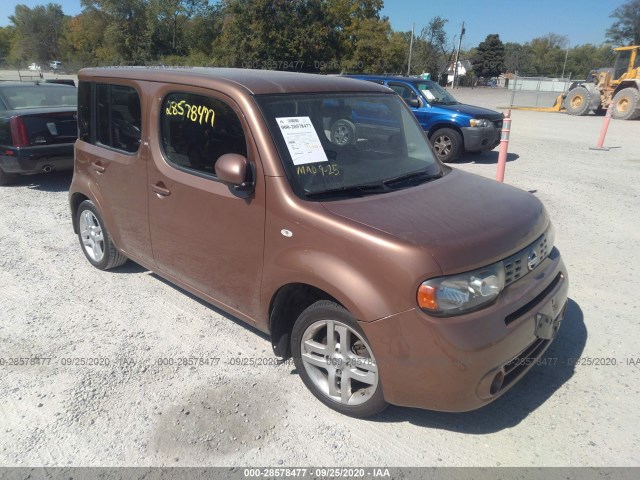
{"points": [[504, 146], [603, 130]]}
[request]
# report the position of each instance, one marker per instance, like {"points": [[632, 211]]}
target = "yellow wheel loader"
{"points": [[619, 85]]}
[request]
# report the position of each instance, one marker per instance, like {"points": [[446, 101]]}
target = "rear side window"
{"points": [[405, 92], [84, 111], [197, 129], [118, 117]]}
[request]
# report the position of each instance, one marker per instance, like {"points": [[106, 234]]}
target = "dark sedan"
{"points": [[38, 127]]}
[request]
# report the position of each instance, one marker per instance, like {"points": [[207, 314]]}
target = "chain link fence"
{"points": [[537, 91]]}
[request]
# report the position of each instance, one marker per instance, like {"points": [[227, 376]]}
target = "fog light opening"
{"points": [[496, 384]]}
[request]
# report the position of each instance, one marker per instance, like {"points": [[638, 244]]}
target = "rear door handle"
{"points": [[97, 167], [161, 190]]}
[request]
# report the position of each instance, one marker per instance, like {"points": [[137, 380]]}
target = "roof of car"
{"points": [[255, 82], [395, 78], [34, 83]]}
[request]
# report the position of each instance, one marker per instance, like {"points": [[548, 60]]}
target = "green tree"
{"points": [[127, 38], [278, 34], [584, 58], [517, 58], [625, 30], [489, 58], [83, 43], [202, 30], [346, 17], [37, 33], [548, 54], [167, 22], [6, 38], [375, 48], [429, 49]]}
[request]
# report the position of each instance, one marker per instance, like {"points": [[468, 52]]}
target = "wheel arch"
{"points": [[82, 188], [437, 126], [626, 84], [286, 305], [75, 199]]}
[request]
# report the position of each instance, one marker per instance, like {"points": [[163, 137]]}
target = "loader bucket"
{"points": [[557, 106]]}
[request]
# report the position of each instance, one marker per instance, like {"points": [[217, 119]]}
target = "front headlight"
{"points": [[456, 294], [479, 122]]}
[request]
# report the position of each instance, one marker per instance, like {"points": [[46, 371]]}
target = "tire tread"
{"points": [[112, 256], [634, 111]]}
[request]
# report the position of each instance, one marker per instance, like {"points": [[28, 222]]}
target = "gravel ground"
{"points": [[132, 411]]}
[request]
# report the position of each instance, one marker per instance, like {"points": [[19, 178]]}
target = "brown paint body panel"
{"points": [[440, 363], [463, 220], [369, 253], [118, 183], [203, 234]]}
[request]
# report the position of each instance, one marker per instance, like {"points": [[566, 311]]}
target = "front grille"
{"points": [[529, 306], [521, 362], [517, 265]]}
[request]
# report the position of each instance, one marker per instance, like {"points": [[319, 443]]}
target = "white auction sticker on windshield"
{"points": [[428, 94], [302, 140]]}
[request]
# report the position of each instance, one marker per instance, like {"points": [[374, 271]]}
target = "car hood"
{"points": [[472, 110], [463, 220]]}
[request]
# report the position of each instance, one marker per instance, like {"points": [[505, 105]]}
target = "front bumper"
{"points": [[451, 364], [31, 160], [480, 139]]}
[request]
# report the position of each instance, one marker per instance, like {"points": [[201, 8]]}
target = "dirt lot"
{"points": [[132, 411]]}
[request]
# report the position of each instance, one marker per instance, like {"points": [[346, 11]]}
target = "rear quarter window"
{"points": [[118, 117], [84, 111]]}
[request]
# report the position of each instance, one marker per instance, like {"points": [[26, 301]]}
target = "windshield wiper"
{"points": [[421, 175], [358, 190]]}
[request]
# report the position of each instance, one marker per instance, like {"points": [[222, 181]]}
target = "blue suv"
{"points": [[452, 127]]}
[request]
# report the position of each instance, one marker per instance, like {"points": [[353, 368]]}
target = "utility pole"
{"points": [[455, 67], [413, 27], [565, 61]]}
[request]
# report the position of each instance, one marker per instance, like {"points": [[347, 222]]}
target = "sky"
{"points": [[583, 21]]}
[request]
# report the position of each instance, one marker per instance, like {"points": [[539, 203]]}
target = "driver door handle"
{"points": [[160, 189], [97, 167]]}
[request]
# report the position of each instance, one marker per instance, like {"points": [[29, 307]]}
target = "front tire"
{"points": [[335, 361], [626, 104], [447, 143], [577, 101], [343, 132], [94, 238]]}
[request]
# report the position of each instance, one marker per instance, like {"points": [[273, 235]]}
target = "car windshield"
{"points": [[335, 145], [435, 94], [37, 96]]}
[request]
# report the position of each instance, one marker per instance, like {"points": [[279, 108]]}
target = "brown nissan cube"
{"points": [[314, 209]]}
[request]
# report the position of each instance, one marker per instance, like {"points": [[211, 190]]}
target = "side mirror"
{"points": [[413, 102], [236, 171]]}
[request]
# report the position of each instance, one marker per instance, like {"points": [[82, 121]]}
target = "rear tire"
{"points": [[626, 104], [335, 362], [577, 101], [95, 240], [7, 178], [447, 143]]}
